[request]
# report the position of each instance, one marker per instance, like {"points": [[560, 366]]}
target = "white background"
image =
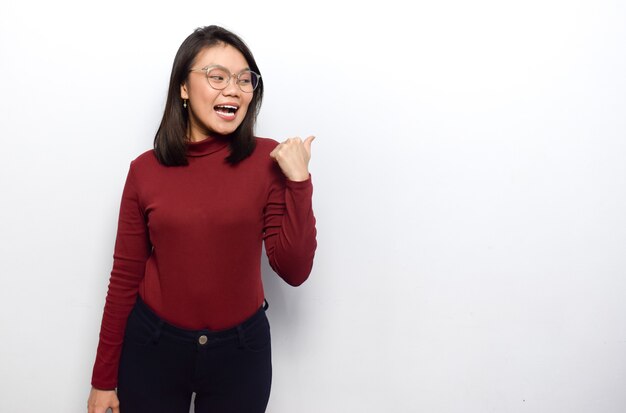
{"points": [[470, 191]]}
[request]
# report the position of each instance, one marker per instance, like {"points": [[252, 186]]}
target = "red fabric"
{"points": [[189, 241]]}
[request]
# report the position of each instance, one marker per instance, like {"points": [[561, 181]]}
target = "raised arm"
{"points": [[289, 230]]}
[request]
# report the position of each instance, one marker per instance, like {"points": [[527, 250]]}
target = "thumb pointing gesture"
{"points": [[293, 157], [307, 144]]}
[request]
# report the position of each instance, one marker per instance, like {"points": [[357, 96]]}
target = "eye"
{"points": [[245, 78], [217, 75]]}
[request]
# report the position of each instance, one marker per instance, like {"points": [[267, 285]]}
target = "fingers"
{"points": [[296, 141], [284, 145], [274, 152], [101, 400], [293, 155], [292, 141], [96, 409], [307, 144]]}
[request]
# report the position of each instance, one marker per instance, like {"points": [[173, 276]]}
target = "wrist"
{"points": [[299, 177]]}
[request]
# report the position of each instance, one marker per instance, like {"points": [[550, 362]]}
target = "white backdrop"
{"points": [[470, 191]]}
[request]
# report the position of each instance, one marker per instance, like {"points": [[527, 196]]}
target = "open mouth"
{"points": [[226, 111]]}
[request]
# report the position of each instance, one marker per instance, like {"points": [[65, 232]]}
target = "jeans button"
{"points": [[202, 340]]}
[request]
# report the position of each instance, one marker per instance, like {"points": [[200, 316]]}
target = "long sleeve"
{"points": [[132, 248], [189, 240], [289, 229]]}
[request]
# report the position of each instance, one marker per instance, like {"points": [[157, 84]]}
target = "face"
{"points": [[207, 112]]}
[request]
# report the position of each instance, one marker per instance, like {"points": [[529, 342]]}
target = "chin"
{"points": [[224, 132], [227, 130]]}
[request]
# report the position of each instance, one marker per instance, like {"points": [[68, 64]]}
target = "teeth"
{"points": [[226, 108]]}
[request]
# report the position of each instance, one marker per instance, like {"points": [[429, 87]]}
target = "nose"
{"points": [[231, 88]]}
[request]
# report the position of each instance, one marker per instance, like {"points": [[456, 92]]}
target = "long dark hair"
{"points": [[170, 142]]}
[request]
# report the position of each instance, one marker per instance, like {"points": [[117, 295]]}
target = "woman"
{"points": [[185, 309]]}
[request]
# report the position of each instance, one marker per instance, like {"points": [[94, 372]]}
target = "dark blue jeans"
{"points": [[162, 365]]}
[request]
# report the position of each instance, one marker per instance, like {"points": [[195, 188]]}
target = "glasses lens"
{"points": [[218, 78], [248, 81]]}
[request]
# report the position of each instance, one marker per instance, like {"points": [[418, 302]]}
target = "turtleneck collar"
{"points": [[206, 147]]}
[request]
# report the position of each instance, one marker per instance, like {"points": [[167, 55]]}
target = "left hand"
{"points": [[293, 157]]}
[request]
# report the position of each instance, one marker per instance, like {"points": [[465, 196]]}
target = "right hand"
{"points": [[293, 157], [100, 400]]}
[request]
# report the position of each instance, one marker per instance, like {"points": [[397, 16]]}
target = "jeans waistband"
{"points": [[161, 326]]}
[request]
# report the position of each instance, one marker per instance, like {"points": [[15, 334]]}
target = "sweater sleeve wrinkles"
{"points": [[132, 249], [289, 229]]}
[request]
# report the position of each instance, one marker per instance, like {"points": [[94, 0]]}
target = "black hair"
{"points": [[170, 141]]}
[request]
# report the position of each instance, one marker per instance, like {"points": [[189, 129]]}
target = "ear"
{"points": [[183, 91]]}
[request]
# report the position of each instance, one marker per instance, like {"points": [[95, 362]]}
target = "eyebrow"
{"points": [[222, 66]]}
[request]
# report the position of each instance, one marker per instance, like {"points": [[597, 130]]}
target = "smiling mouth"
{"points": [[226, 110]]}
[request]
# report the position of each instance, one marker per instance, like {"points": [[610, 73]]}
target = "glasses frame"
{"points": [[206, 70]]}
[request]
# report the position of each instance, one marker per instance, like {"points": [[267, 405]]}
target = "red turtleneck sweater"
{"points": [[189, 241]]}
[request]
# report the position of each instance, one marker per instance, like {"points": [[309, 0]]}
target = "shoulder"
{"points": [[265, 144], [144, 166], [146, 159], [147, 156], [262, 149]]}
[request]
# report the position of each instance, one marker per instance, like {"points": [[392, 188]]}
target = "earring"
{"points": [[185, 103]]}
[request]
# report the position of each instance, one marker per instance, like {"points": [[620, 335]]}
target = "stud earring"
{"points": [[185, 103]]}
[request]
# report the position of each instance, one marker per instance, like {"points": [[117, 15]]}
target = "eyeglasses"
{"points": [[219, 78]]}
